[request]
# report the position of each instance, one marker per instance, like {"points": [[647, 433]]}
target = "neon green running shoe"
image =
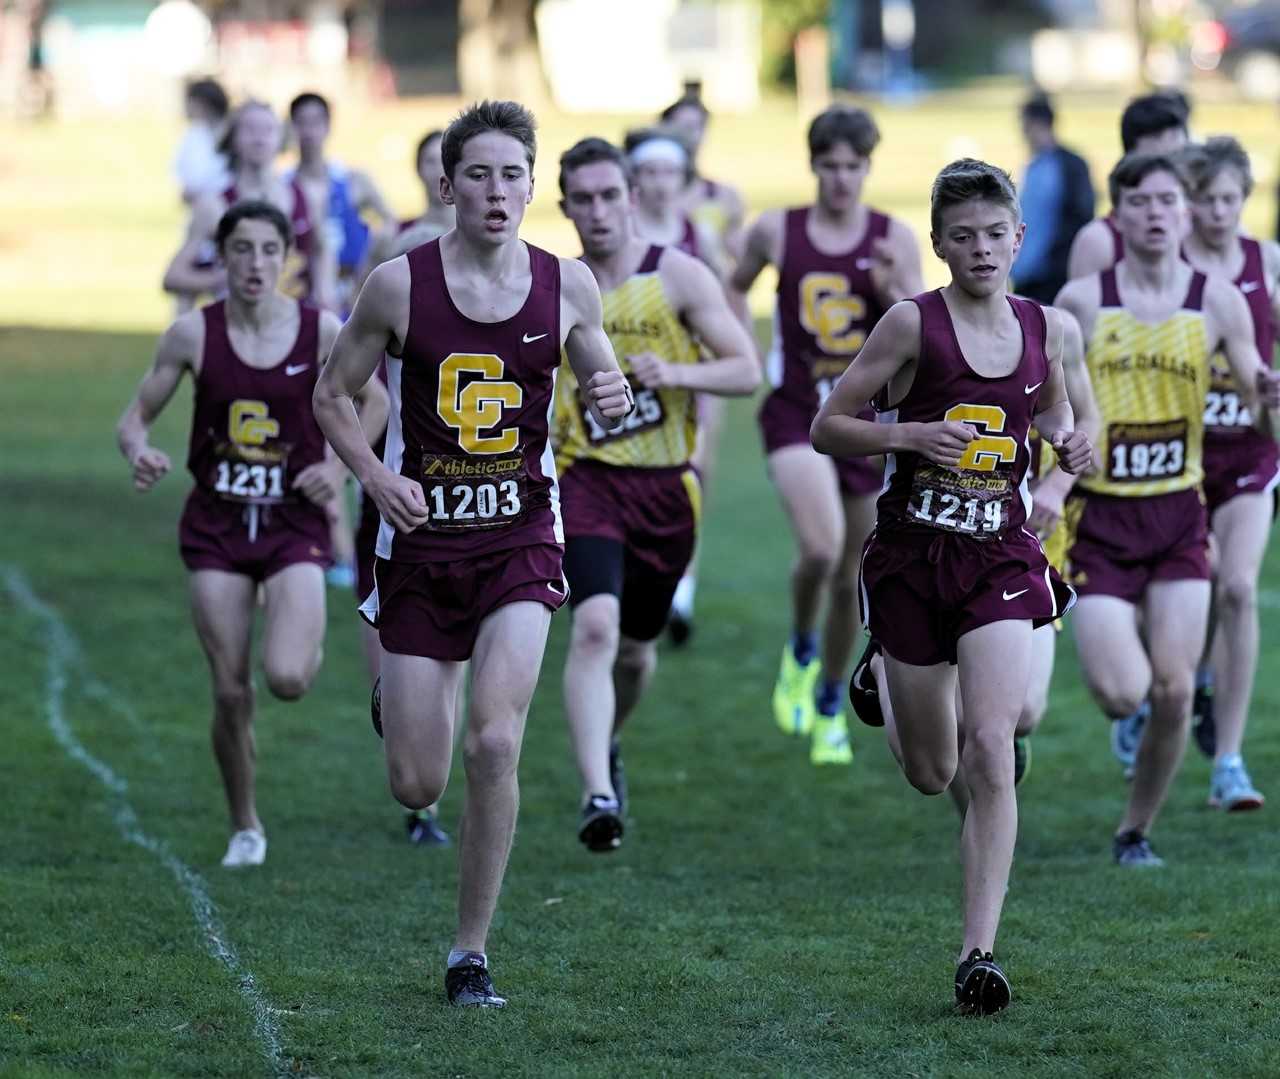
{"points": [[793, 706], [830, 743], [1021, 759]]}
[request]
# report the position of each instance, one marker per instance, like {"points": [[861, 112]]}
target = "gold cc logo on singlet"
{"points": [[828, 310], [249, 423], [987, 451], [479, 404]]}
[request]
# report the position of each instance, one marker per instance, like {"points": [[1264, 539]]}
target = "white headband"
{"points": [[660, 149]]}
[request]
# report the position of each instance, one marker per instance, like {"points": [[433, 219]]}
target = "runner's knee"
{"points": [[1171, 693], [288, 682], [595, 629], [491, 750], [416, 786], [988, 757], [930, 774], [1237, 594], [233, 701], [1117, 695]]}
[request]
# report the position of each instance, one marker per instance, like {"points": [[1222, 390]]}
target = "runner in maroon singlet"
{"points": [[952, 581], [262, 476], [840, 266], [470, 549], [1151, 124], [1241, 465], [253, 140]]}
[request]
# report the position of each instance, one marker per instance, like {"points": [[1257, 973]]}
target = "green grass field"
{"points": [[763, 918]]}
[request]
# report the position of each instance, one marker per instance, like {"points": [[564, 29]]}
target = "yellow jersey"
{"points": [[1150, 383], [660, 433]]}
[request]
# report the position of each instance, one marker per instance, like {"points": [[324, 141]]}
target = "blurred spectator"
{"points": [[1057, 202], [199, 165]]}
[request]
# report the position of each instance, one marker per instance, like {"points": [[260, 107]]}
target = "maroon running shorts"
{"points": [[1239, 466], [254, 541], [924, 590], [784, 423], [629, 532], [1123, 544], [435, 609]]}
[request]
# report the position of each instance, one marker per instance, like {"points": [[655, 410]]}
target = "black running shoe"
{"points": [[375, 706], [1204, 724], [425, 831], [1133, 849], [618, 777], [469, 985], [601, 827], [679, 627], [864, 695], [981, 986]]}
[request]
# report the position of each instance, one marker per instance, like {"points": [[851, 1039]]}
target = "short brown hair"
{"points": [[1132, 169], [505, 117], [843, 123], [967, 180], [1202, 164], [587, 152], [253, 210]]}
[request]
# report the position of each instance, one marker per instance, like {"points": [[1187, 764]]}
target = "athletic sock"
{"points": [[458, 958], [830, 696], [804, 646]]}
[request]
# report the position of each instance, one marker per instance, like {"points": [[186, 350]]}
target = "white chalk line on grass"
{"points": [[63, 653]]}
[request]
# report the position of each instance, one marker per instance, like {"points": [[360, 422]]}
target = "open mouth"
{"points": [[1156, 231], [495, 217], [253, 281], [984, 269]]}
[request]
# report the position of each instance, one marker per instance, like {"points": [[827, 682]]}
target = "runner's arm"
{"points": [[734, 369], [604, 387], [371, 399], [1229, 310], [1092, 251], [1056, 420], [176, 354], [1075, 373], [758, 251], [368, 197], [372, 328], [183, 277], [896, 272], [891, 346]]}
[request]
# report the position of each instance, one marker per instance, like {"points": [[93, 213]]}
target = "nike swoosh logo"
{"points": [[1250, 286], [296, 369], [1244, 481], [556, 588], [1032, 389], [530, 340], [1015, 595]]}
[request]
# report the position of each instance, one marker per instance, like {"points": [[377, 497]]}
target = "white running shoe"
{"points": [[248, 847]]}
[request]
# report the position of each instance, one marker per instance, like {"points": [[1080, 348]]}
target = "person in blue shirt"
{"points": [[350, 195], [1057, 202]]}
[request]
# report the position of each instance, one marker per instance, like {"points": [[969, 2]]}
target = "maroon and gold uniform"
{"points": [[826, 306], [252, 432], [469, 418], [950, 551]]}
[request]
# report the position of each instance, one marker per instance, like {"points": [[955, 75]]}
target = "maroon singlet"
{"points": [[470, 411], [987, 496], [1224, 418], [253, 430], [826, 307]]}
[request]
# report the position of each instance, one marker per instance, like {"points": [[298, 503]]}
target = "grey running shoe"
{"points": [[1133, 849], [1231, 789], [981, 986], [1126, 735], [424, 830], [469, 985]]}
